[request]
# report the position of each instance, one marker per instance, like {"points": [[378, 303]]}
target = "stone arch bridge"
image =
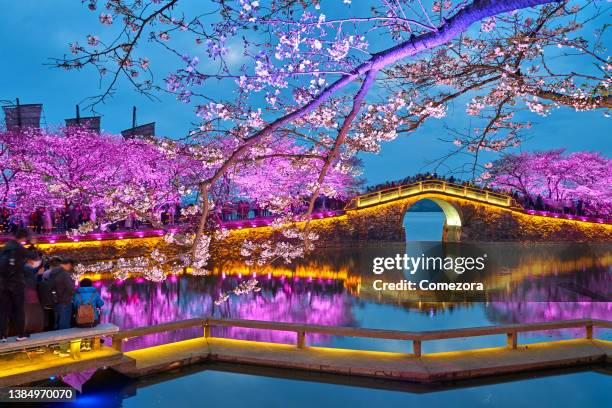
{"points": [[471, 214]]}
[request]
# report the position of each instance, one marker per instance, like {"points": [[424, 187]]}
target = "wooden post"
{"points": [[75, 349], [589, 331], [416, 348], [379, 196], [96, 344], [512, 340], [206, 331], [420, 186], [487, 196], [118, 343], [301, 339]]}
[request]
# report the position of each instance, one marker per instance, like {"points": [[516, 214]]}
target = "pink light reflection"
{"points": [[131, 304]]}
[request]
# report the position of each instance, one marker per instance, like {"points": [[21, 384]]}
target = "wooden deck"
{"points": [[33, 360], [414, 367], [436, 367]]}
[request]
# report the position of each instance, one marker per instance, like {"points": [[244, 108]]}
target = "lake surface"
{"points": [[226, 389], [523, 283]]}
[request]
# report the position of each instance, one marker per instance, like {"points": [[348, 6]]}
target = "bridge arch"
{"points": [[451, 231]]}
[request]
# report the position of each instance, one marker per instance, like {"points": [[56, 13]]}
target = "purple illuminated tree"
{"points": [[559, 179], [116, 178], [104, 172]]}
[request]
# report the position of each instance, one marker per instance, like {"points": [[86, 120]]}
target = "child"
{"points": [[86, 294]]}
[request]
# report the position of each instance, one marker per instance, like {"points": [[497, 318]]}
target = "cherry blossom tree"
{"points": [[104, 172], [119, 178], [533, 61], [557, 178], [299, 82]]}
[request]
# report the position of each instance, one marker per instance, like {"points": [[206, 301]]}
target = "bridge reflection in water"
{"points": [[524, 283]]}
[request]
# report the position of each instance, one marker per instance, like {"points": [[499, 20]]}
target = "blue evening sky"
{"points": [[34, 30]]}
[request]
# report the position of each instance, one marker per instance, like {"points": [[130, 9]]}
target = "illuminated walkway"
{"points": [[19, 368], [414, 367], [435, 367]]}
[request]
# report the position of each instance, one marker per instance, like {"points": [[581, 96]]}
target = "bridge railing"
{"points": [[435, 186], [511, 331]]}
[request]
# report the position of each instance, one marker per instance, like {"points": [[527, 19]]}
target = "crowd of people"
{"points": [[47, 220], [424, 177], [38, 294], [539, 203]]}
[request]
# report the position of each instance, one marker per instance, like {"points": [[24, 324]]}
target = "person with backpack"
{"points": [[59, 288], [87, 303], [45, 295], [12, 286]]}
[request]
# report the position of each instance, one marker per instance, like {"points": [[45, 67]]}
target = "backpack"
{"points": [[85, 314], [47, 296], [8, 264]]}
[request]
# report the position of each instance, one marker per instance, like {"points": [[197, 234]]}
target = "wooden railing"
{"points": [[417, 338], [431, 186]]}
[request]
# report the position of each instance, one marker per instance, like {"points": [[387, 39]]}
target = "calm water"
{"points": [[424, 226], [524, 283], [227, 389]]}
